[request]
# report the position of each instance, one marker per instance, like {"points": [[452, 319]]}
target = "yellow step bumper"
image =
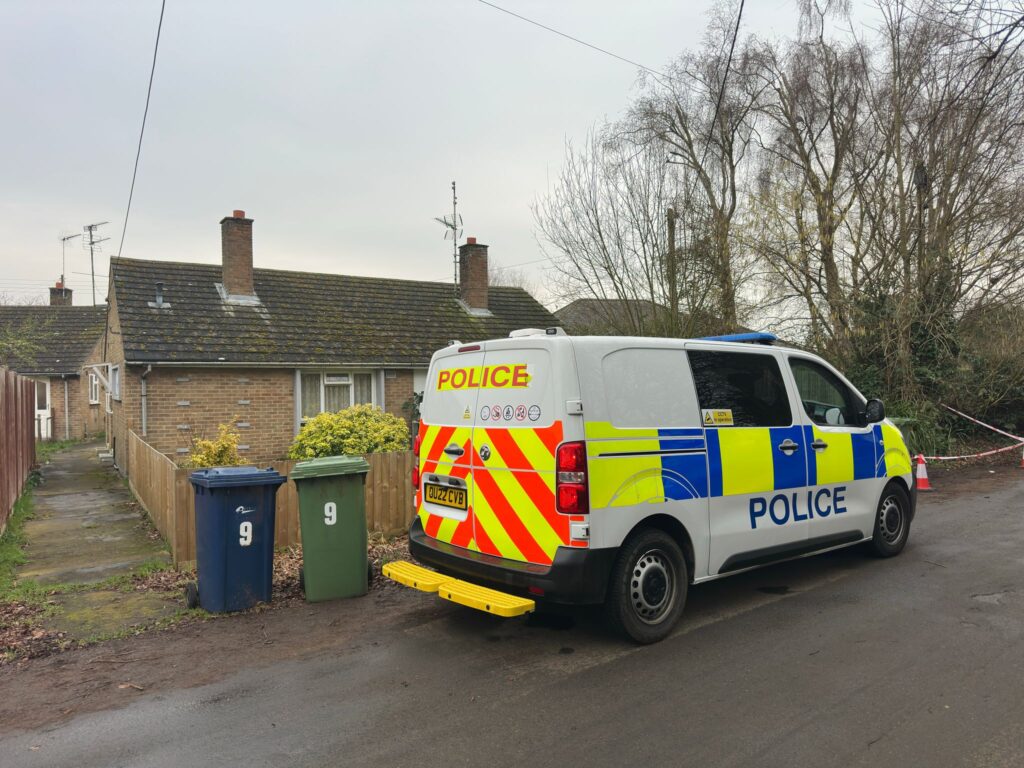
{"points": [[414, 576], [458, 591]]}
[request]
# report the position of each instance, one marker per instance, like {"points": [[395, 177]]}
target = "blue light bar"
{"points": [[750, 338]]}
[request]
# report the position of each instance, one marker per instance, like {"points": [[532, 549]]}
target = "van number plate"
{"points": [[445, 495]]}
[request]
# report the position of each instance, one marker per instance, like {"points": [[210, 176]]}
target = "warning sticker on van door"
{"points": [[721, 417]]}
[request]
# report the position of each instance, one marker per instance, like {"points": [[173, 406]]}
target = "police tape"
{"points": [[983, 424], [1016, 446]]}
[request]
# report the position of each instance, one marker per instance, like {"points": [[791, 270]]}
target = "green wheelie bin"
{"points": [[332, 515]]}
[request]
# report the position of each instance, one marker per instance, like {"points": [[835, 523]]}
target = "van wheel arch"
{"points": [[673, 528]]}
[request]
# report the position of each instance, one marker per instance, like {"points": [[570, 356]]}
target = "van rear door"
{"points": [[444, 499], [518, 429]]}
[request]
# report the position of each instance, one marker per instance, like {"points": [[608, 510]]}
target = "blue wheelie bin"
{"points": [[235, 508]]}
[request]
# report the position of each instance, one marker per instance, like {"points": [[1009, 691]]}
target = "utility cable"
{"points": [[606, 52], [142, 131]]}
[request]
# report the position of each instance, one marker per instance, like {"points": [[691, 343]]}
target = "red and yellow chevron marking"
{"points": [[512, 510]]}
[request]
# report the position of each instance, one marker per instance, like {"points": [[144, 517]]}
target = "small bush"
{"points": [[220, 452], [350, 432]]}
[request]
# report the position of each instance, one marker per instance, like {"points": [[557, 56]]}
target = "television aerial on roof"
{"points": [[453, 230]]}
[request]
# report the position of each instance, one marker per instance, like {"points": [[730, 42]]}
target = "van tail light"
{"points": [[571, 497], [416, 455]]}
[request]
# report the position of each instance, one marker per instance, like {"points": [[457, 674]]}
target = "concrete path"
{"points": [[86, 526]]}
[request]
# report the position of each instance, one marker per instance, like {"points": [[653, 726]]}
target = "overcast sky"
{"points": [[337, 126]]}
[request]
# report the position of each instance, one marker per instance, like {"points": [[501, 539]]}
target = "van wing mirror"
{"points": [[874, 411]]}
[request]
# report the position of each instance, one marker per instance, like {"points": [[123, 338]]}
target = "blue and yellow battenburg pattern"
{"points": [[638, 466]]}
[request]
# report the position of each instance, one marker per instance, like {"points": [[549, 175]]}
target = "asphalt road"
{"points": [[838, 660]]}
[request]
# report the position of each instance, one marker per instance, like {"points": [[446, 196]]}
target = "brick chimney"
{"points": [[236, 254], [60, 296], [473, 274]]}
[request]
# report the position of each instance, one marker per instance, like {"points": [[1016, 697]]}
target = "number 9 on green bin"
{"points": [[330, 513]]}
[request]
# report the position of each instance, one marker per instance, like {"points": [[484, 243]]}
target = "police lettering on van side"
{"points": [[794, 507]]}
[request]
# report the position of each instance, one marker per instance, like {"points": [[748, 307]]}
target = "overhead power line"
{"points": [[605, 51], [725, 77], [142, 131]]}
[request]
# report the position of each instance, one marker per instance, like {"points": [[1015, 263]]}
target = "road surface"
{"points": [[838, 660]]}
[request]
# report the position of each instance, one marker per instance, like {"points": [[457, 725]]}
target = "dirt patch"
{"points": [[69, 618], [197, 650], [973, 475]]}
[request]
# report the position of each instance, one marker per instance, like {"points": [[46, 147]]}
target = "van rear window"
{"points": [[747, 384]]}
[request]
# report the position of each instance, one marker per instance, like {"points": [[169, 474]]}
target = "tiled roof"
{"points": [[48, 340], [302, 317]]}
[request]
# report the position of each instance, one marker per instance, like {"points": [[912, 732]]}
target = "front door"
{"points": [[842, 460], [44, 418], [756, 458]]}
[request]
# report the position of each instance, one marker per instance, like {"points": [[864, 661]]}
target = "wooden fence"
{"points": [[164, 490], [17, 443]]}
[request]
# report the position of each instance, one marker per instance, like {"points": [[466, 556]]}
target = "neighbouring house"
{"points": [[50, 344], [611, 317], [636, 317], [191, 346]]}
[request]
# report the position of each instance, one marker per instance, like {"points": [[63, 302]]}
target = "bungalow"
{"points": [[49, 344], [191, 346]]}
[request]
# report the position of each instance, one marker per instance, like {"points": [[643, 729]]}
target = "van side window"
{"points": [[648, 388], [747, 383], [827, 400]]}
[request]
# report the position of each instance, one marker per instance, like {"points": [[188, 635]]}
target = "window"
{"points": [[748, 384], [649, 388], [94, 389], [115, 382], [826, 399], [333, 391]]}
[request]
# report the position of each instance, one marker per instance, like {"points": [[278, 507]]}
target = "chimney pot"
{"points": [[236, 255], [473, 280]]}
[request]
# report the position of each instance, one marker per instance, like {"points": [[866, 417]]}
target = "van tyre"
{"points": [[648, 586], [892, 521]]}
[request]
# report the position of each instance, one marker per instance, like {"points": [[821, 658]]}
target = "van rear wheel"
{"points": [[648, 587]]}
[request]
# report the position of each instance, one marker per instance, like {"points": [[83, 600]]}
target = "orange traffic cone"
{"points": [[921, 477]]}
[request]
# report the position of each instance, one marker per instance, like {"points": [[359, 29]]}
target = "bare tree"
{"points": [[706, 120], [605, 226]]}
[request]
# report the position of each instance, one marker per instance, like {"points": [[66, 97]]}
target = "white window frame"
{"points": [[115, 382], [94, 389], [323, 374]]}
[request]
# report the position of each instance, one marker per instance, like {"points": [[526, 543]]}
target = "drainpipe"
{"points": [[67, 414], [145, 373]]}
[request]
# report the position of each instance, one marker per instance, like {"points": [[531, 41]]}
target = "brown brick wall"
{"points": [[76, 429], [397, 391], [183, 402]]}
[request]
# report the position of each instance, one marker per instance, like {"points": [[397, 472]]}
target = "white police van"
{"points": [[621, 470]]}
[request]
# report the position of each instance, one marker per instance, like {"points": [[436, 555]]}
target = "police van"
{"points": [[615, 470]]}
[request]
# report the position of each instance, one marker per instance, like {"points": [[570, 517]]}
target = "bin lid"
{"points": [[233, 477], [329, 466]]}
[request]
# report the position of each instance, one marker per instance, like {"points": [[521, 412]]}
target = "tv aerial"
{"points": [[453, 230]]}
